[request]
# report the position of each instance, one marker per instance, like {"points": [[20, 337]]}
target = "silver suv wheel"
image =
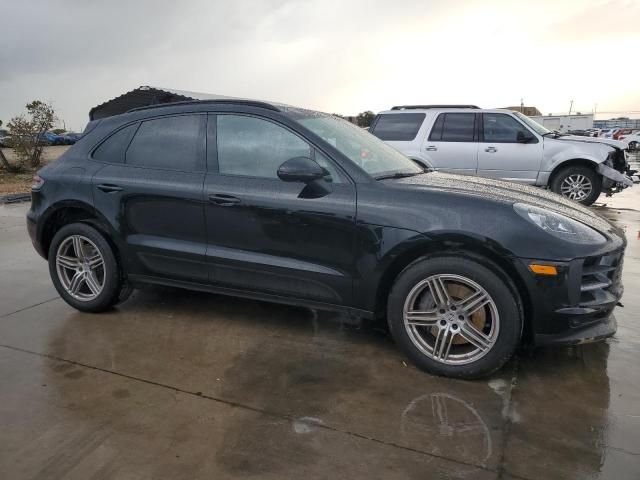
{"points": [[576, 187]]}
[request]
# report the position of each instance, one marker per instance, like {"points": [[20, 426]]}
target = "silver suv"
{"points": [[506, 145]]}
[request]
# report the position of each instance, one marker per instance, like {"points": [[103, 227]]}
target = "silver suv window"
{"points": [[399, 127], [454, 127]]}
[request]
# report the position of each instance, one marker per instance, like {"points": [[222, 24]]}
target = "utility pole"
{"points": [[570, 107], [522, 105]]}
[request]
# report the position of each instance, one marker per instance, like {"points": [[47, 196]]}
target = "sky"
{"points": [[341, 56]]}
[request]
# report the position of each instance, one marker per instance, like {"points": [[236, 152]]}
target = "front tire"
{"points": [[454, 317], [582, 184], [84, 268]]}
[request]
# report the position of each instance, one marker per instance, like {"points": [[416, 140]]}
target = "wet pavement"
{"points": [[178, 384]]}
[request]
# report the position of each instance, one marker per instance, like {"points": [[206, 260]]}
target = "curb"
{"points": [[15, 198]]}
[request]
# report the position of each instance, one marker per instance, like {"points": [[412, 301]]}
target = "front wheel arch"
{"points": [[588, 169], [474, 250], [575, 162]]}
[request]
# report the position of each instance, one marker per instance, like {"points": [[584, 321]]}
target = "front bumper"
{"points": [[576, 306], [594, 333]]}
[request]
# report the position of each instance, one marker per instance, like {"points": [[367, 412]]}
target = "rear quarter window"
{"points": [[399, 127], [113, 149]]}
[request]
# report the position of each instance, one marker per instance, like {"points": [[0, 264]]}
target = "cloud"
{"points": [[326, 54]]}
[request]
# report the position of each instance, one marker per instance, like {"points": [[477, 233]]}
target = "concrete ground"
{"points": [[176, 384]]}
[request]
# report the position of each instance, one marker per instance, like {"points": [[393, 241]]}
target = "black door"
{"points": [[266, 235], [152, 193]]}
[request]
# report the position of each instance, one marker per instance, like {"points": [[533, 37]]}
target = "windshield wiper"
{"points": [[555, 133], [397, 175]]}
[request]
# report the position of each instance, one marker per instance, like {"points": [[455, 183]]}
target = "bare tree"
{"points": [[28, 131]]}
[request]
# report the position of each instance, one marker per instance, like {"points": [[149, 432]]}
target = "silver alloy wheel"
{"points": [[576, 187], [451, 319], [80, 268]]}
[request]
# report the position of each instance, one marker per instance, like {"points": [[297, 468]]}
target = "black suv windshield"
{"points": [[362, 148]]}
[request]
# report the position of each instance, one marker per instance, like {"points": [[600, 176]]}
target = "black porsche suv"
{"points": [[289, 205]]}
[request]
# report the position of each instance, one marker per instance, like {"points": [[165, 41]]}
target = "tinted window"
{"points": [[253, 147], [453, 127], [501, 128], [113, 148], [398, 126], [173, 142]]}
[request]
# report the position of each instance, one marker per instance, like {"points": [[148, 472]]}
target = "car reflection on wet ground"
{"points": [[178, 384]]}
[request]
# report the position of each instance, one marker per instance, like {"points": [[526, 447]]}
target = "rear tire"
{"points": [[578, 183], [84, 268], [473, 343]]}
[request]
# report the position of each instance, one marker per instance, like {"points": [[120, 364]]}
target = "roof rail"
{"points": [[249, 103], [416, 107]]}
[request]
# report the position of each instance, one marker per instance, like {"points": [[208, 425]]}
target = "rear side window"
{"points": [[112, 150], [398, 126], [454, 127], [175, 143]]}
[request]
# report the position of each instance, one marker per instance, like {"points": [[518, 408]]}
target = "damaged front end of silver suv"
{"points": [[616, 172]]}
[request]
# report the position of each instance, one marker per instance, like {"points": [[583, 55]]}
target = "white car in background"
{"points": [[506, 145], [632, 140]]}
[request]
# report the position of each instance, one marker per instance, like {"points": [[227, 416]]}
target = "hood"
{"points": [[505, 192], [603, 141]]}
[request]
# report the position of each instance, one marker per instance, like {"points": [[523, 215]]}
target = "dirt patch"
{"points": [[21, 182]]}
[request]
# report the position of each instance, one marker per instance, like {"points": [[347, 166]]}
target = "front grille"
{"points": [[600, 283]]}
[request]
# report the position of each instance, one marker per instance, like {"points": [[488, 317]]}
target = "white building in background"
{"points": [[564, 123]]}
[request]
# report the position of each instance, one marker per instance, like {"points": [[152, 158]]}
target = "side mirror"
{"points": [[300, 169], [522, 137]]}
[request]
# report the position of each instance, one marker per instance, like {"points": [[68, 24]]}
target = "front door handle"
{"points": [[109, 188], [223, 200], [431, 148], [491, 149]]}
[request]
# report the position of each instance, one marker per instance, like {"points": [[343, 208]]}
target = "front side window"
{"points": [[253, 147], [174, 143], [398, 126], [502, 128], [454, 127]]}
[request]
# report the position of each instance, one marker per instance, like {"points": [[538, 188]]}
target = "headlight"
{"points": [[559, 226]]}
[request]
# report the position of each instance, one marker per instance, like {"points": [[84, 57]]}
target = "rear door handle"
{"points": [[431, 148], [109, 188], [223, 200], [491, 149]]}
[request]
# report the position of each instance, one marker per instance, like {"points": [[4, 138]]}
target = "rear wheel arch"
{"points": [[467, 248], [75, 212]]}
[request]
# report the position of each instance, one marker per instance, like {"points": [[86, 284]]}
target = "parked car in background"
{"points": [[621, 133], [632, 140], [70, 138], [464, 269], [579, 133], [507, 145], [610, 133], [50, 138], [5, 139], [592, 132]]}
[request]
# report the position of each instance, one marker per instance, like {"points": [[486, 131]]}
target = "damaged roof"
{"points": [[144, 96]]}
